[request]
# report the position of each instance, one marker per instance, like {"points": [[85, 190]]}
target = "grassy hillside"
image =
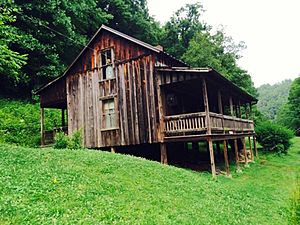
{"points": [[46, 186], [273, 97], [20, 122]]}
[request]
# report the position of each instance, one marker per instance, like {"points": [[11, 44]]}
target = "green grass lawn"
{"points": [[47, 186]]}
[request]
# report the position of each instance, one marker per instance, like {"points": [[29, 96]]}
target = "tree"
{"points": [[221, 53], [11, 62], [181, 28], [289, 114], [54, 32]]}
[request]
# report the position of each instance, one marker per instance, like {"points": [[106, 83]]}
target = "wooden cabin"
{"points": [[120, 91]]}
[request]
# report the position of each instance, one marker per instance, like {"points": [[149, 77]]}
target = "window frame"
{"points": [[103, 67], [111, 115]]}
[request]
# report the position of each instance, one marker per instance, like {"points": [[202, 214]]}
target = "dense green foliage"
{"points": [[71, 142], [11, 61], [53, 32], [289, 114], [20, 122], [272, 98], [221, 53], [273, 137], [91, 187]]}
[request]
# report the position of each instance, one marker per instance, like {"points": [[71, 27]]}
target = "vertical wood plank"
{"points": [[163, 154], [206, 105], [255, 147], [226, 157], [245, 151], [237, 155], [42, 127], [251, 150], [212, 159]]}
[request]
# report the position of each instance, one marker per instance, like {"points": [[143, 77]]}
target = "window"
{"points": [[106, 63], [109, 115]]}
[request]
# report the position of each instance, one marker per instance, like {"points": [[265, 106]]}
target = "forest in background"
{"points": [[39, 39]]}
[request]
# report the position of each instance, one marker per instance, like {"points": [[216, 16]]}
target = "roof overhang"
{"points": [[208, 72]]}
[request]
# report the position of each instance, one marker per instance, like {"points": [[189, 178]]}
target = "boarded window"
{"points": [[109, 114], [106, 63]]}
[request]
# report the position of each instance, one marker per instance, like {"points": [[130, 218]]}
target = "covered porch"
{"points": [[199, 104], [53, 98]]}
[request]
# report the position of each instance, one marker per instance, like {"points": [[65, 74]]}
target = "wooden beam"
{"points": [[206, 105], [255, 147], [245, 151], [237, 155], [163, 154], [250, 146], [220, 105], [226, 158], [42, 127], [113, 149], [62, 117], [239, 109], [212, 159], [231, 106]]}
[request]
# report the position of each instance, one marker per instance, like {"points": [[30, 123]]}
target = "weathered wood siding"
{"points": [[54, 96], [133, 90]]}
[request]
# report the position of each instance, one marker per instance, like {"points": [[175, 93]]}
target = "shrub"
{"points": [[273, 137], [64, 141], [75, 142], [61, 140]]}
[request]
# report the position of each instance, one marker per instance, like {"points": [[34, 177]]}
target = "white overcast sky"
{"points": [[270, 29]]}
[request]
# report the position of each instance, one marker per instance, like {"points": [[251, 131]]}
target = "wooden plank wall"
{"points": [[135, 103]]}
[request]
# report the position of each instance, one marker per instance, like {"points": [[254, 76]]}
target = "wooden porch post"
{"points": [[163, 154], [250, 146], [239, 109], [255, 147], [221, 108], [226, 158], [62, 117], [237, 155], [113, 149], [206, 105], [231, 106], [42, 128], [212, 159], [245, 151]]}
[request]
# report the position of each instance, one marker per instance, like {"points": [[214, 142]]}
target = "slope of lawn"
{"points": [[47, 186]]}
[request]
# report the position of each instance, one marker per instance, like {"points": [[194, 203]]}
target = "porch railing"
{"points": [[196, 122], [49, 135], [185, 123]]}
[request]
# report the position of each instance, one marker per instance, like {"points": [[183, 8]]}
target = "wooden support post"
{"points": [[206, 105], [231, 106], [163, 154], [212, 159], [42, 128], [245, 151], [250, 146], [113, 149], [221, 108], [239, 109], [226, 158], [62, 117], [237, 155], [255, 147]]}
